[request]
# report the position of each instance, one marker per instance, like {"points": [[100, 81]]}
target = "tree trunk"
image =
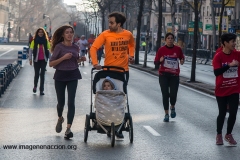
{"points": [[103, 20], [213, 28], [220, 23], [159, 33], [193, 70], [138, 31], [173, 15], [148, 30]]}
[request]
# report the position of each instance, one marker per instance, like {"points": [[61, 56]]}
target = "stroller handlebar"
{"points": [[111, 67]]}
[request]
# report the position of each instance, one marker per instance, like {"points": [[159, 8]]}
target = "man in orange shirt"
{"points": [[119, 44]]}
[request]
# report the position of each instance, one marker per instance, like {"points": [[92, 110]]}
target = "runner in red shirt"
{"points": [[168, 57], [226, 70]]}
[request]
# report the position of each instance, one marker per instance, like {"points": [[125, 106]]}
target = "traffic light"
{"points": [[74, 25], [45, 27]]}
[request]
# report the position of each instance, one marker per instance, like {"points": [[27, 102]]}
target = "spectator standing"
{"points": [[149, 46]]}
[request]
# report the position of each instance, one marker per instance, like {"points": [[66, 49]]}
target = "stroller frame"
{"points": [[91, 122]]}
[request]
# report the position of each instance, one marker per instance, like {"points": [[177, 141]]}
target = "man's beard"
{"points": [[113, 29]]}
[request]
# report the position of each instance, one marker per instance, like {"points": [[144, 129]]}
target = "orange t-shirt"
{"points": [[117, 48]]}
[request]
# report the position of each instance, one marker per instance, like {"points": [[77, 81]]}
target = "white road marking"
{"points": [[6, 52], [208, 95], [84, 72], [151, 130]]}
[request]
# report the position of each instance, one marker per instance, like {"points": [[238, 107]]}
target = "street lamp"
{"points": [[50, 28]]}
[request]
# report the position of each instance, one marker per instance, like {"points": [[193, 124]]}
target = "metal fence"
{"points": [[6, 76], [201, 53]]}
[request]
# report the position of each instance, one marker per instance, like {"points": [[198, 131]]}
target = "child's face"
{"points": [[107, 86]]}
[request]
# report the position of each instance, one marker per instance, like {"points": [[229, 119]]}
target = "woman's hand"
{"points": [[161, 59], [67, 56], [181, 61], [233, 63]]}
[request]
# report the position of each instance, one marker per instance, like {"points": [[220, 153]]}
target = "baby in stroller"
{"points": [[110, 104], [108, 84], [109, 111]]}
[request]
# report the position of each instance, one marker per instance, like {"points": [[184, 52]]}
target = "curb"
{"points": [[203, 87]]}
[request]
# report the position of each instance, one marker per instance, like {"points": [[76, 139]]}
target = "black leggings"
{"points": [[39, 65], [231, 100], [60, 87], [169, 87]]}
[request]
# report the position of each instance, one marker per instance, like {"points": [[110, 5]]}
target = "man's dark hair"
{"points": [[228, 37], [119, 17], [168, 34]]}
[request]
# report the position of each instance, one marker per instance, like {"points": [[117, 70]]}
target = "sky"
{"points": [[70, 2]]}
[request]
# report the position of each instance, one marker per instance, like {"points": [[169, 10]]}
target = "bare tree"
{"points": [[103, 5], [148, 30], [196, 7], [220, 19], [172, 4], [213, 25], [159, 33], [30, 15], [140, 12]]}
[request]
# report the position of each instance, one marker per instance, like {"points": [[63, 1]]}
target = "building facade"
{"points": [[4, 9], [183, 21]]}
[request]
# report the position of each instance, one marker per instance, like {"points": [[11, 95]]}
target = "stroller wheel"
{"points": [[86, 128], [130, 128], [112, 134]]}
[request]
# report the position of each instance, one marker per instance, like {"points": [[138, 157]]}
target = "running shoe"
{"points": [[219, 139], [119, 135], [166, 118], [230, 140], [68, 134], [59, 125], [173, 113], [34, 89]]}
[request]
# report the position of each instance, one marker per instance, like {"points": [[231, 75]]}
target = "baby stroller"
{"points": [[111, 115]]}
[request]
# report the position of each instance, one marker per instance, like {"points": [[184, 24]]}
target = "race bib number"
{"points": [[171, 63], [232, 72]]}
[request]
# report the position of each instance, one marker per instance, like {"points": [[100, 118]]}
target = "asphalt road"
{"points": [[9, 54], [30, 119]]}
